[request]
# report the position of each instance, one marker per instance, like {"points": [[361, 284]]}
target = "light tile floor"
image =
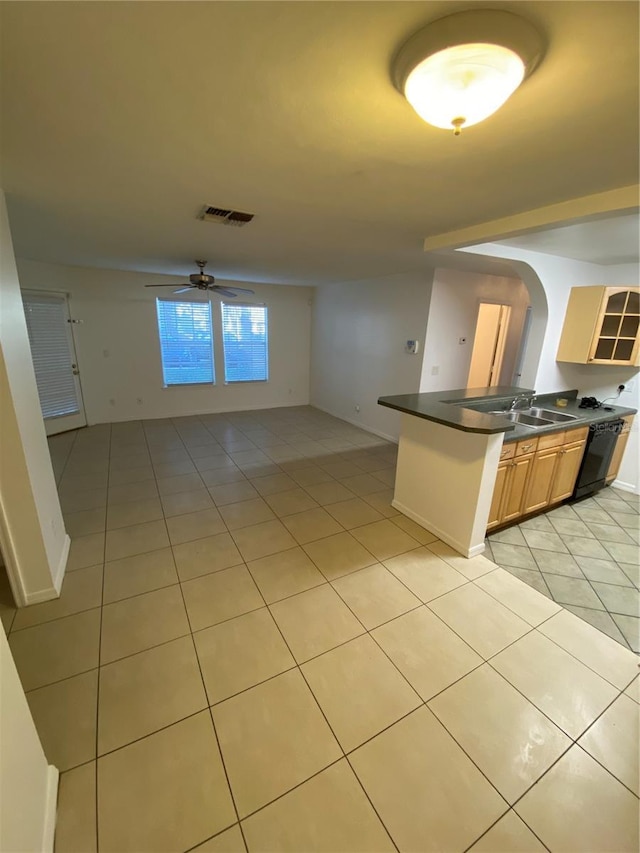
{"points": [[254, 651], [585, 556]]}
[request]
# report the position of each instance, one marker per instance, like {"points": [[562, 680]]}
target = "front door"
{"points": [[54, 360]]}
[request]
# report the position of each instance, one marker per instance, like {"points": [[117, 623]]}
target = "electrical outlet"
{"points": [[357, 407], [435, 370]]}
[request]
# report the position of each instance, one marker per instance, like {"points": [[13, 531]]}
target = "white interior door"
{"points": [[488, 345], [54, 360]]}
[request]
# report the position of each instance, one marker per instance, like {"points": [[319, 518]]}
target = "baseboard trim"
{"points": [[441, 534], [136, 416], [62, 563], [49, 593], [50, 811], [393, 439], [626, 487]]}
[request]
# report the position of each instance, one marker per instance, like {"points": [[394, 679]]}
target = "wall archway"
{"points": [[494, 259]]}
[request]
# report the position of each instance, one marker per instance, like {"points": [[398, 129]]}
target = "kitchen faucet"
{"points": [[521, 398]]}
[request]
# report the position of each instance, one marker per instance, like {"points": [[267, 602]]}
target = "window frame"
{"points": [[263, 306], [183, 300]]}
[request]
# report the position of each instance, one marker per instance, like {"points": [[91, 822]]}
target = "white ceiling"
{"points": [[120, 120], [614, 240]]}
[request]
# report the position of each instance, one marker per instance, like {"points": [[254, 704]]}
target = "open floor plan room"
{"points": [[254, 651]]}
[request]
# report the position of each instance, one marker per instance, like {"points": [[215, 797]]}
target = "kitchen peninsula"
{"points": [[450, 448]]}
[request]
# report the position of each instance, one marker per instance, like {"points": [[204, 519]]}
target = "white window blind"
{"points": [[52, 360], [244, 337], [186, 342]]}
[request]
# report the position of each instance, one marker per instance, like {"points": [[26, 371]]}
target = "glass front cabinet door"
{"points": [[601, 326]]}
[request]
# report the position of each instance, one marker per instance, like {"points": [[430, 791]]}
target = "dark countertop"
{"points": [[584, 417], [453, 409]]}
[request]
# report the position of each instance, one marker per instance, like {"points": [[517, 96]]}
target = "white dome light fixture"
{"points": [[460, 69]]}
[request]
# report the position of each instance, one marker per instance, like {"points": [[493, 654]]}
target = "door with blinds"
{"points": [[54, 360]]}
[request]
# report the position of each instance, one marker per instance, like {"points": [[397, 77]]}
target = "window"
{"points": [[244, 336], [186, 342]]}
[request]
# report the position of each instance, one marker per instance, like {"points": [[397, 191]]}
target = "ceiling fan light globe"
{"points": [[466, 81]]}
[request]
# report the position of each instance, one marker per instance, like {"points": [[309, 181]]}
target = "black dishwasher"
{"points": [[601, 443]]}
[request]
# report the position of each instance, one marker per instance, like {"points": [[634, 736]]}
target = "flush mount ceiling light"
{"points": [[460, 69]]}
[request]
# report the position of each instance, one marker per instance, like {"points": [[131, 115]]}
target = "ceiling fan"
{"points": [[202, 281]]}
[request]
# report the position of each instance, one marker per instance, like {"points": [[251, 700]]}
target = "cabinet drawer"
{"points": [[508, 451], [577, 434], [527, 445], [555, 439]]}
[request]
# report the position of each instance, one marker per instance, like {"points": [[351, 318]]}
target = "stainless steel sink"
{"points": [[523, 418], [550, 415]]}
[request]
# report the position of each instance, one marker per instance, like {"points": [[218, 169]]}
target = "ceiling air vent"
{"points": [[226, 217]]}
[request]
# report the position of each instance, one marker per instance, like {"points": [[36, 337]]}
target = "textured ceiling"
{"points": [[120, 120]]}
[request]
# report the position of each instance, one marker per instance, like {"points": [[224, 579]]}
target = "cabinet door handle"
{"points": [[527, 446]]}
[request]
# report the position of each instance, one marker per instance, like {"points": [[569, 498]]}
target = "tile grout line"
{"points": [[496, 822], [299, 669], [413, 710], [335, 737], [206, 696], [104, 557]]}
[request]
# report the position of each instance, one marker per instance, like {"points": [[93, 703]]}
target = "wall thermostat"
{"points": [[413, 346]]}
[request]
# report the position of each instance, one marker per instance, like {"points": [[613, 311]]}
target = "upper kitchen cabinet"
{"points": [[601, 326]]}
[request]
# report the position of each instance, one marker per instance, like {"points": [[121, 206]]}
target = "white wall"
{"points": [[28, 785], [32, 534], [359, 334], [453, 315], [556, 276], [461, 469], [119, 317]]}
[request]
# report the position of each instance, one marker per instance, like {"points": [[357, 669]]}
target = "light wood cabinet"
{"points": [[516, 484], [620, 447], [537, 473], [601, 326], [498, 491], [566, 473], [539, 485], [511, 481]]}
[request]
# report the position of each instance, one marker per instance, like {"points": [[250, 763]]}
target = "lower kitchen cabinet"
{"points": [[539, 485], [498, 491], [511, 482], [536, 473], [566, 473]]}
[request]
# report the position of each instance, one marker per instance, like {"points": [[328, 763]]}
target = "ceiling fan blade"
{"points": [[159, 285], [243, 290], [184, 289], [223, 291]]}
